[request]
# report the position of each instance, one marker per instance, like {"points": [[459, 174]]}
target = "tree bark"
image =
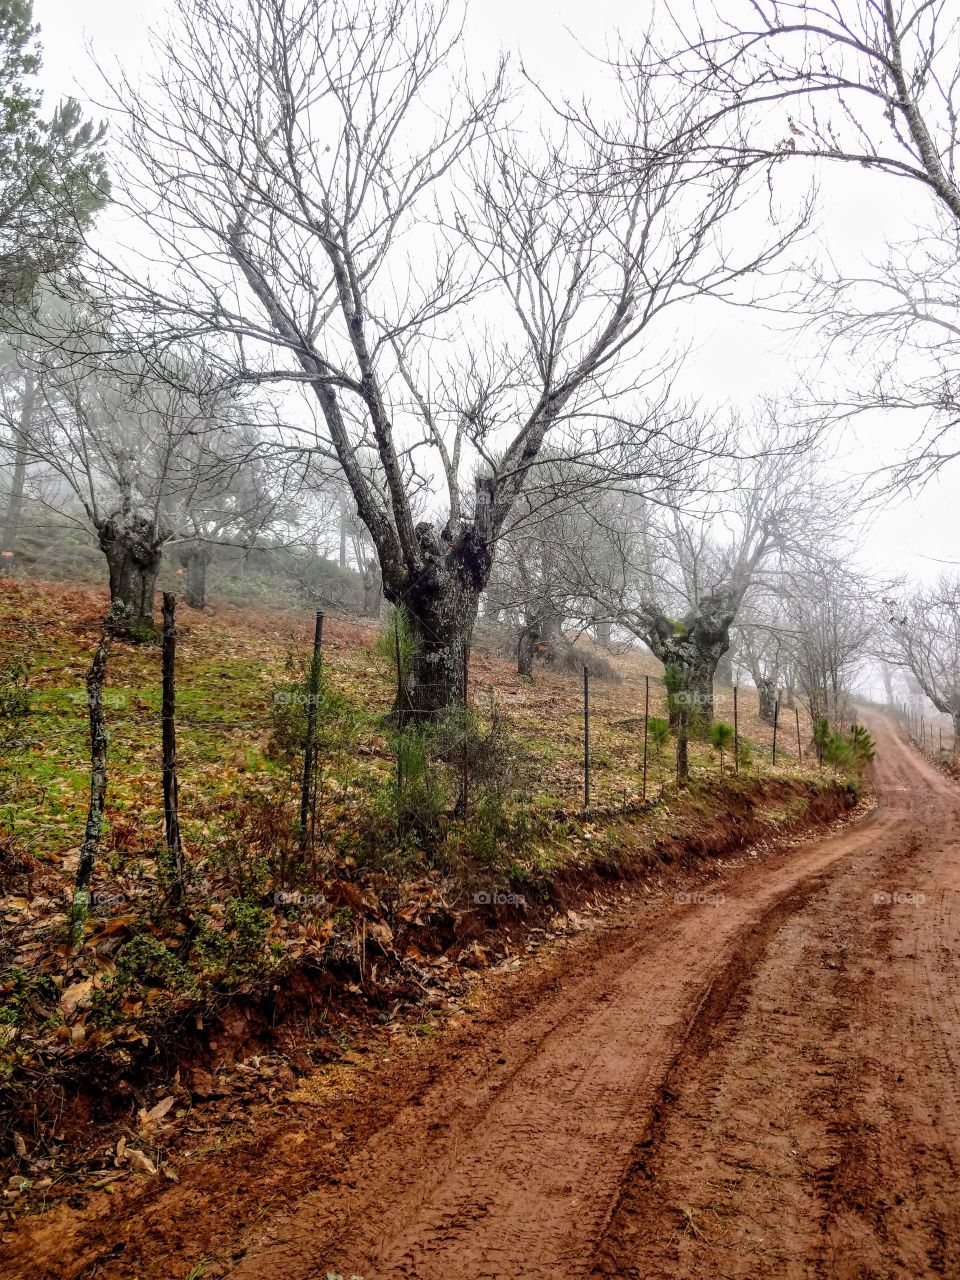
{"points": [[372, 588], [134, 551], [195, 560], [602, 633], [11, 524], [767, 692], [441, 605], [526, 644], [434, 681]]}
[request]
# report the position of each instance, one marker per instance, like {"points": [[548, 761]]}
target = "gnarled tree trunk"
{"points": [[526, 646], [133, 548], [694, 646], [541, 631], [440, 604], [767, 692]]}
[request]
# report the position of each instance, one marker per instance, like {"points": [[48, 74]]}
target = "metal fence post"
{"points": [[776, 717]]}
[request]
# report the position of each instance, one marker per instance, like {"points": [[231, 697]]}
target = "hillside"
{"points": [[282, 955]]}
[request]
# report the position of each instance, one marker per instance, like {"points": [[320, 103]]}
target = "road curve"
{"points": [[765, 1086]]}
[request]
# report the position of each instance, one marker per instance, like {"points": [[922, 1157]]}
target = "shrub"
{"points": [[14, 690], [863, 746], [721, 735], [658, 734]]}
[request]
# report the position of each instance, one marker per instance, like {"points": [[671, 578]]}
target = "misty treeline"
{"points": [[320, 283]]}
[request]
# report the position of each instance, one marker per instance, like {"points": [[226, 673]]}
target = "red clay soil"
{"points": [[761, 1081]]}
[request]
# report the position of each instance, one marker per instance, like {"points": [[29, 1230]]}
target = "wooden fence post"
{"points": [[313, 686], [776, 717], [646, 717], [98, 788], [168, 734], [586, 739]]}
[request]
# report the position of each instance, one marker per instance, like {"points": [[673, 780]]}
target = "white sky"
{"points": [[738, 354]]}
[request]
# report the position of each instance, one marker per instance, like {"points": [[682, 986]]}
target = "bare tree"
{"points": [[132, 441], [691, 566], [567, 533], [926, 635], [230, 486], [764, 646], [877, 85], [345, 216], [832, 621]]}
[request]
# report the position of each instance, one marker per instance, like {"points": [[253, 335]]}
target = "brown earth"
{"points": [[764, 1080]]}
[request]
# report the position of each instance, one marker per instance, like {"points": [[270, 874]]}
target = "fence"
{"points": [[933, 736], [555, 745]]}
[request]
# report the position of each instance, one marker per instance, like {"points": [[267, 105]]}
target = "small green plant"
{"points": [[291, 702], [26, 993], [14, 690], [744, 754], [658, 733], [143, 964], [863, 746], [821, 737], [721, 735], [395, 647], [838, 752]]}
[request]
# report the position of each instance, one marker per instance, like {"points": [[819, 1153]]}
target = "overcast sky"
{"points": [[737, 354]]}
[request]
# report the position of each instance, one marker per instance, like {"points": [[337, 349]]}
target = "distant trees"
{"points": [[764, 647], [563, 533], [53, 181], [230, 486], [925, 628], [692, 562], [347, 217], [831, 620], [147, 450]]}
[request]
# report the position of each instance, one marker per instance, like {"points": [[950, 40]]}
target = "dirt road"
{"points": [[762, 1082]]}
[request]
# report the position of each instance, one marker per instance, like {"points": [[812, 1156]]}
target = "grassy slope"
{"points": [[229, 661]]}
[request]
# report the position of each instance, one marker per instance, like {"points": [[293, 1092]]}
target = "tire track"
{"points": [[818, 1134]]}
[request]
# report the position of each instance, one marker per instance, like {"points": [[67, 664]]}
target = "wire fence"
{"points": [[562, 743]]}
